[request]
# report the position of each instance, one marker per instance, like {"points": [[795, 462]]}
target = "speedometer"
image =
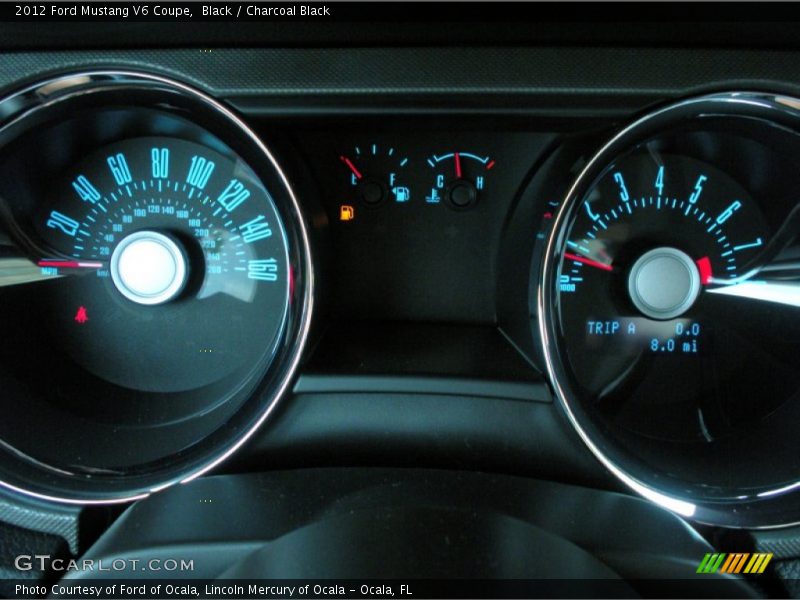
{"points": [[163, 290], [172, 236], [670, 307], [655, 234]]}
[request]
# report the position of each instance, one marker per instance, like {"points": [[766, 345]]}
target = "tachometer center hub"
{"points": [[148, 267], [664, 283]]}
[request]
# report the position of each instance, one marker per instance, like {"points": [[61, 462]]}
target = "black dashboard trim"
{"points": [[548, 74], [508, 390]]}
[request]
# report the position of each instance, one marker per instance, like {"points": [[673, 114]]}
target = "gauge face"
{"points": [[173, 237], [168, 293], [459, 178], [670, 310], [377, 174], [653, 238]]}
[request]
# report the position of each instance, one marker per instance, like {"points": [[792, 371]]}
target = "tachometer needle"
{"points": [[458, 165], [351, 166], [588, 261]]}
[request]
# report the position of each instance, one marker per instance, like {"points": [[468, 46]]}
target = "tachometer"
{"points": [[654, 234], [669, 307]]}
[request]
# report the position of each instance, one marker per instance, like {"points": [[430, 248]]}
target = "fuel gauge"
{"points": [[377, 174], [460, 176]]}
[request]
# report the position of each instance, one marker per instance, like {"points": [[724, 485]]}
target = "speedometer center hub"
{"points": [[664, 283], [148, 267]]}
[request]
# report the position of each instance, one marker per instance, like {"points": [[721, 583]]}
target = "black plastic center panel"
{"points": [[427, 201]]}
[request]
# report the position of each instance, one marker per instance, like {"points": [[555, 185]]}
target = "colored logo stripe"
{"points": [[711, 563], [758, 563], [737, 562]]}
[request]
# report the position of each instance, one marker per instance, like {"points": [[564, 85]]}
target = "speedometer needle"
{"points": [[17, 270], [70, 264], [588, 261]]}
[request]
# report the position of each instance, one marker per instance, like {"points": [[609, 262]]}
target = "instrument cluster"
{"points": [[165, 260]]}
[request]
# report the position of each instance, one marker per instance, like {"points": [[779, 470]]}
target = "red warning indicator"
{"points": [[81, 317]]}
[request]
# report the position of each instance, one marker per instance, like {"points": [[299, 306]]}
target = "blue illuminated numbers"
{"points": [[200, 172], [698, 189], [263, 270], [592, 216], [159, 158], [623, 191], [255, 230], [726, 214], [660, 180], [669, 345], [62, 222], [233, 195], [755, 244], [119, 169], [693, 329], [86, 191]]}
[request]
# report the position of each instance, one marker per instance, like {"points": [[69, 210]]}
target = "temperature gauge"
{"points": [[460, 176], [377, 174]]}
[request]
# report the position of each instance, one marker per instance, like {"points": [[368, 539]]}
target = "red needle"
{"points": [[458, 165], [352, 167], [70, 264], [588, 261]]}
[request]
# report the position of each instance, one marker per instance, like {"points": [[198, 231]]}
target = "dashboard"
{"points": [[562, 270]]}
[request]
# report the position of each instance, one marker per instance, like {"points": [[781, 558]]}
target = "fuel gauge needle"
{"points": [[351, 166], [588, 261]]}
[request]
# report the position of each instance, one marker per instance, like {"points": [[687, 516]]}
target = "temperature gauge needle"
{"points": [[588, 261]]}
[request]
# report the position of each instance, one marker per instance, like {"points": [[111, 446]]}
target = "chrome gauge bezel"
{"points": [[36, 100], [774, 508]]}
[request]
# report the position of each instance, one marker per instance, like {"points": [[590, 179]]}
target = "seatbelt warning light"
{"points": [[347, 213], [81, 317]]}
